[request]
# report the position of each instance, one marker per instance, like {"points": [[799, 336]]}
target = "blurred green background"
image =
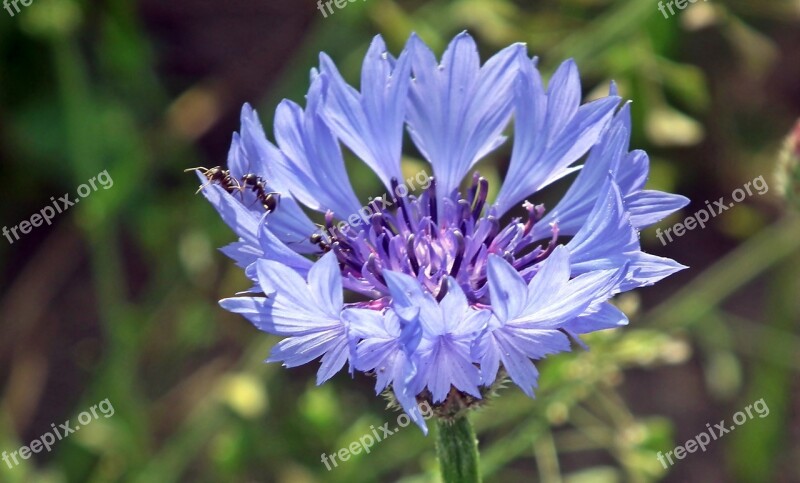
{"points": [[117, 299]]}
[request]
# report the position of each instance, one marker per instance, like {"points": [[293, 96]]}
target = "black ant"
{"points": [[256, 184], [320, 240], [221, 176], [269, 200]]}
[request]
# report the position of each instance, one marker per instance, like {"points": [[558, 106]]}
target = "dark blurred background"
{"points": [[117, 298]]}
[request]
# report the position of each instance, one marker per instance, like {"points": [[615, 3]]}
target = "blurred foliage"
{"points": [[118, 299]]}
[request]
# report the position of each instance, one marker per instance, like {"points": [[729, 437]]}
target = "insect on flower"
{"points": [[269, 200], [216, 175], [454, 287]]}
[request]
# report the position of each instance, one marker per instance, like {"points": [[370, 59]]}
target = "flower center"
{"points": [[432, 242]]}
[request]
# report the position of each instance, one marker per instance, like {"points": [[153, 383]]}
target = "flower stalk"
{"points": [[457, 450]]}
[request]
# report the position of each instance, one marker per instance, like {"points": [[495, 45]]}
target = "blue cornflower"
{"points": [[449, 288]]}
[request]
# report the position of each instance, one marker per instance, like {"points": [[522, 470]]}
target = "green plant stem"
{"points": [[457, 448]]}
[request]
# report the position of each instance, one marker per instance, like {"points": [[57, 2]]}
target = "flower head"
{"points": [[449, 286]]}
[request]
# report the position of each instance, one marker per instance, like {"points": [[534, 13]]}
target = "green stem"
{"points": [[457, 448]]}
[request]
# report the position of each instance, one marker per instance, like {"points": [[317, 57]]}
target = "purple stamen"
{"points": [[432, 201], [535, 213], [459, 253], [483, 192], [433, 245], [401, 201], [412, 255]]}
